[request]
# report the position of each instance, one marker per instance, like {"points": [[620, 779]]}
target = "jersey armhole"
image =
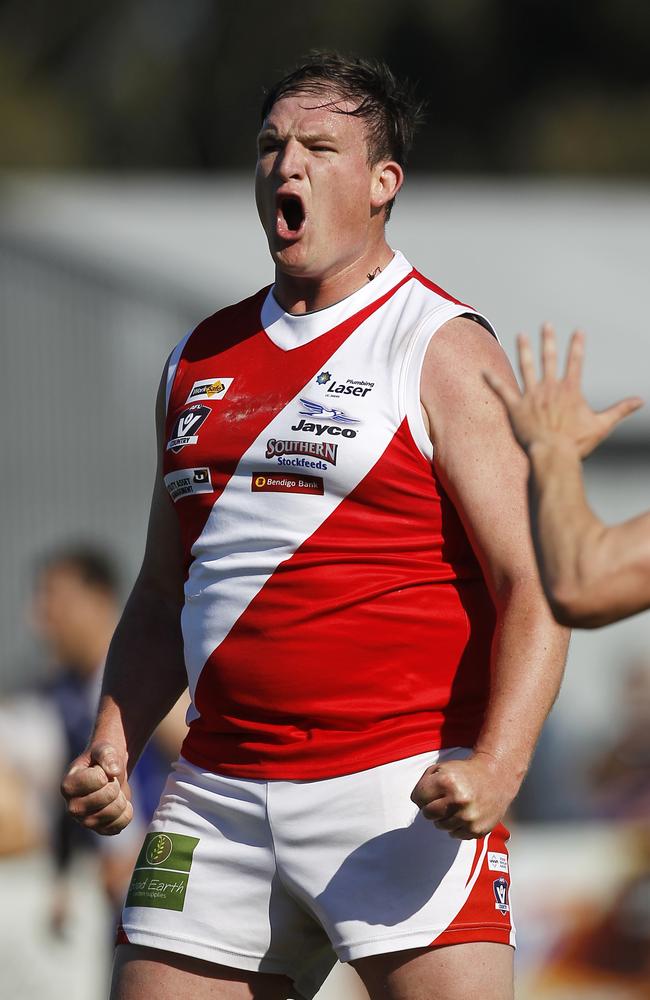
{"points": [[172, 366], [410, 406]]}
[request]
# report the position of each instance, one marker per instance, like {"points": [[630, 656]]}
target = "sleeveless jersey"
{"points": [[335, 615]]}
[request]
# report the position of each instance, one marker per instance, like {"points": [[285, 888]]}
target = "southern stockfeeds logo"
{"points": [[323, 451]]}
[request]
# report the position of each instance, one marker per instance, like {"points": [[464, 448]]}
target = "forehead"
{"points": [[323, 112]]}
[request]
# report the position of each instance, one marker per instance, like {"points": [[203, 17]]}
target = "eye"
{"points": [[268, 146]]}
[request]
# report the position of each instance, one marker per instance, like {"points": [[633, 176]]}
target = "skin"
{"points": [[592, 573], [309, 150]]}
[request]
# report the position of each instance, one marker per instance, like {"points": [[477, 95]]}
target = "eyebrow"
{"points": [[308, 137]]}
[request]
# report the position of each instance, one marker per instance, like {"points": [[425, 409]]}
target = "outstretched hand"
{"points": [[553, 410], [96, 790]]}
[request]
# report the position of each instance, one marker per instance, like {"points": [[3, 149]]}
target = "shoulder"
{"points": [[453, 390]]}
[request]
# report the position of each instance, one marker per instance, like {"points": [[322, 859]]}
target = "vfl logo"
{"points": [[311, 409], [187, 425], [209, 388], [500, 887]]}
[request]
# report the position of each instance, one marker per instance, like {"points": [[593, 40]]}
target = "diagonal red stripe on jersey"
{"points": [[440, 291], [359, 652], [233, 342]]}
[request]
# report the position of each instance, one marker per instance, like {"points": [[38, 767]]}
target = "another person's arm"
{"points": [[144, 674], [484, 474], [592, 574]]}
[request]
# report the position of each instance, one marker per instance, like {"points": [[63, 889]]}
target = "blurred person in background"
{"points": [[370, 654], [593, 574], [74, 610], [620, 776]]}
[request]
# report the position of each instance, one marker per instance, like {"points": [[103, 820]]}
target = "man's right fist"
{"points": [[96, 790]]}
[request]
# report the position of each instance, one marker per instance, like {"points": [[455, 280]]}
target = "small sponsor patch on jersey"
{"points": [[162, 871], [497, 862], [349, 387], [500, 887], [209, 388], [185, 482], [309, 427], [286, 482], [324, 450], [186, 427]]}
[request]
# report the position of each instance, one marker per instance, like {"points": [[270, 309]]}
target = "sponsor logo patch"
{"points": [[319, 429], [500, 887], [323, 451], [186, 427], [209, 388], [351, 386], [309, 408], [286, 482], [185, 482], [162, 871], [497, 862]]}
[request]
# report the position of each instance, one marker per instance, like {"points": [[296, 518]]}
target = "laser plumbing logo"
{"points": [[350, 387]]}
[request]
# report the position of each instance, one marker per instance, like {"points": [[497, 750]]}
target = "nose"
{"points": [[290, 162]]}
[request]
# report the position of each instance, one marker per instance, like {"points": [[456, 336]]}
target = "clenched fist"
{"points": [[96, 790], [465, 797]]}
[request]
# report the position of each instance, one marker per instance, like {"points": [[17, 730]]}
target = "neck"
{"points": [[298, 295]]}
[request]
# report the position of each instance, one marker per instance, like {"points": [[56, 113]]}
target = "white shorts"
{"points": [[284, 876]]}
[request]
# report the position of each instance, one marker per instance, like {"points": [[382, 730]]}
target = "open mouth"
{"points": [[290, 216]]}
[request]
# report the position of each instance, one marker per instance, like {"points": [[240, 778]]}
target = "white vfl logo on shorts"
{"points": [[497, 862], [185, 482], [209, 388]]}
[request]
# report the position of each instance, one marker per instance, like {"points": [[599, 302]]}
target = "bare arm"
{"points": [[144, 674], [592, 574], [485, 477]]}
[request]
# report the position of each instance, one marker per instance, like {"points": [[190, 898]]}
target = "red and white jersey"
{"points": [[335, 614]]}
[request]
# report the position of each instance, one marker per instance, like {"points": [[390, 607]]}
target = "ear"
{"points": [[387, 179]]}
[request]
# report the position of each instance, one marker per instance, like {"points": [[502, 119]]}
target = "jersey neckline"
{"points": [[288, 331]]}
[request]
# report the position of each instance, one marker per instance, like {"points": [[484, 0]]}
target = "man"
{"points": [[343, 600], [592, 574]]}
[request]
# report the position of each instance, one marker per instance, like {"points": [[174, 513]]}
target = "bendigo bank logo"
{"points": [[286, 482], [325, 451]]}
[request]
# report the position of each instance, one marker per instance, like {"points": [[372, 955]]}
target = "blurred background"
{"points": [[126, 215]]}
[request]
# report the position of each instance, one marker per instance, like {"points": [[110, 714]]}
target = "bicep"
{"points": [[481, 467]]}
